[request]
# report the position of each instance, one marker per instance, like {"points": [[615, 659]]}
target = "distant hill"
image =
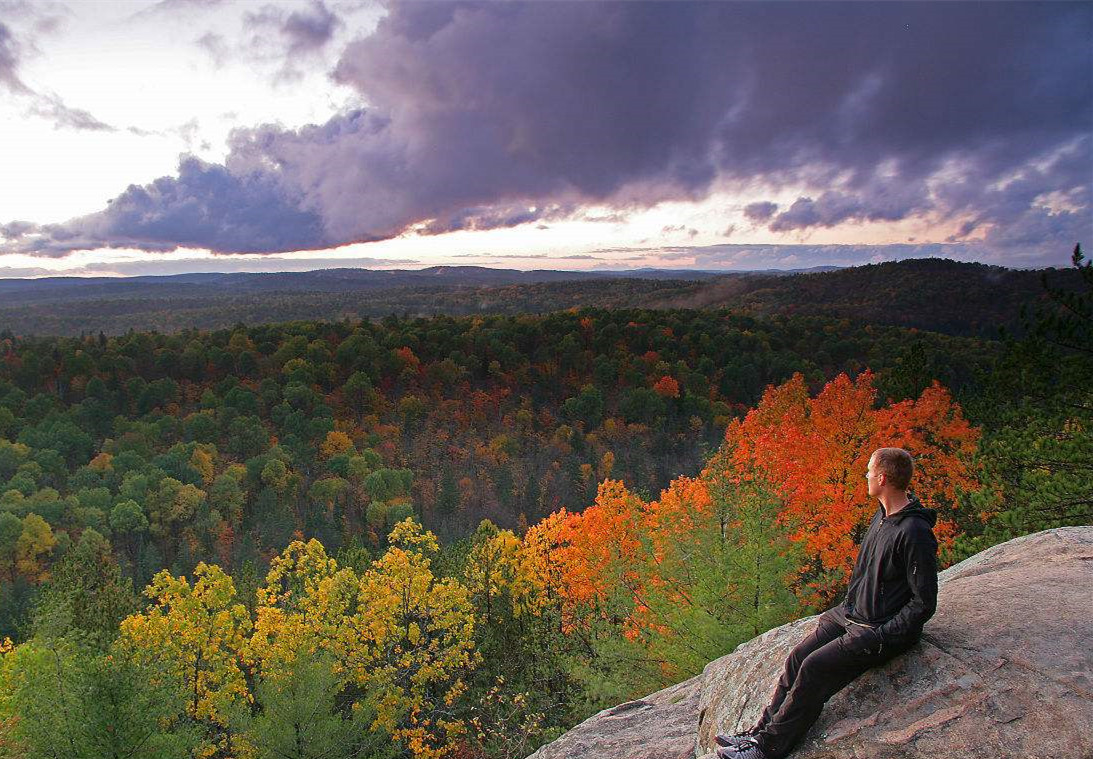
{"points": [[935, 294], [320, 280], [74, 305]]}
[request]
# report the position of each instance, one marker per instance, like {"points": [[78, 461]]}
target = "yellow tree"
{"points": [[539, 585], [36, 540], [192, 638], [301, 608], [335, 442], [410, 642], [519, 634], [204, 461], [490, 570]]}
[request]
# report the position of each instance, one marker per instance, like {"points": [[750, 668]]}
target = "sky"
{"points": [[168, 136]]}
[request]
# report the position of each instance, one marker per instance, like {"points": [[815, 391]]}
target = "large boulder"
{"points": [[1004, 669], [659, 726]]}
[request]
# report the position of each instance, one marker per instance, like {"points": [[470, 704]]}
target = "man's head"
{"points": [[889, 468]]}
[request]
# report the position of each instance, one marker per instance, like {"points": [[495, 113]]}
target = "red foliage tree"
{"points": [[814, 451], [666, 387]]}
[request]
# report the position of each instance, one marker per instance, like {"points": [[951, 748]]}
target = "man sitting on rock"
{"points": [[893, 591]]}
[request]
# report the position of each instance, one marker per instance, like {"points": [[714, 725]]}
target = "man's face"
{"points": [[873, 478]]}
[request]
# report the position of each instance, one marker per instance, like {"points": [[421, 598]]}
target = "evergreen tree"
{"points": [[86, 597], [1038, 455], [306, 713], [72, 701]]}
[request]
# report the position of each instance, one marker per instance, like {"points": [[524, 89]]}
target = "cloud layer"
{"points": [[494, 114]]}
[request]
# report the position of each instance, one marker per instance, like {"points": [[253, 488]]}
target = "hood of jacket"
{"points": [[914, 508]]}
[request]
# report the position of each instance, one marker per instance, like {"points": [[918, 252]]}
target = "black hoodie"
{"points": [[894, 584]]}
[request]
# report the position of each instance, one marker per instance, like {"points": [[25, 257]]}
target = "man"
{"points": [[893, 591]]}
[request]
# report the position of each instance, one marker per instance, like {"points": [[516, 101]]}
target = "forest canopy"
{"points": [[459, 536]]}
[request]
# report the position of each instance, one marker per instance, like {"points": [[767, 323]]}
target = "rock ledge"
{"points": [[1004, 669]]}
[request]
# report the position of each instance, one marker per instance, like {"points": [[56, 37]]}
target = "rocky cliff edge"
{"points": [[1004, 669]]}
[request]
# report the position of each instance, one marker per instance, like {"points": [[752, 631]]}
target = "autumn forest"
{"points": [[459, 535]]}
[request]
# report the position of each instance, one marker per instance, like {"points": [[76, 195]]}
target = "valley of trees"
{"points": [[939, 295], [458, 536]]}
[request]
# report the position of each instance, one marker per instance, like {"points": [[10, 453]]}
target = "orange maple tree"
{"points": [[666, 387], [815, 451], [597, 546], [809, 453]]}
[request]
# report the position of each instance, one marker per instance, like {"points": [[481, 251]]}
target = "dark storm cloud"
{"points": [[206, 206], [16, 229], [761, 211], [1013, 211], [887, 201], [877, 111], [496, 217]]}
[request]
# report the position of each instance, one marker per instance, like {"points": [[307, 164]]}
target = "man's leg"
{"points": [[822, 674], [827, 630]]}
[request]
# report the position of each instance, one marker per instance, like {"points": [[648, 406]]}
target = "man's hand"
{"points": [[864, 640]]}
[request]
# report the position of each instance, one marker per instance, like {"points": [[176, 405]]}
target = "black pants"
{"points": [[819, 666]]}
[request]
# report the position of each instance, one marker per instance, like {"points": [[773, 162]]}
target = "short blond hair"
{"points": [[896, 465]]}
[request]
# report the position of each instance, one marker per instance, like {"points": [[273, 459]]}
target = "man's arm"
{"points": [[921, 567]]}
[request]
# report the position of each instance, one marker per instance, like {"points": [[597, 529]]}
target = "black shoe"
{"points": [[749, 750], [735, 740]]}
